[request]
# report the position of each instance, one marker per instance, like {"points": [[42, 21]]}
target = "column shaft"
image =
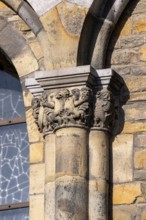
{"points": [[71, 199], [98, 175], [50, 177]]}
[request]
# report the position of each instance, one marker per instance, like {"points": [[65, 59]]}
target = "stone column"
{"points": [[103, 123], [71, 201], [75, 110], [50, 176]]}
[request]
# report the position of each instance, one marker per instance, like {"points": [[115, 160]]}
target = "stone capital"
{"points": [[78, 96]]}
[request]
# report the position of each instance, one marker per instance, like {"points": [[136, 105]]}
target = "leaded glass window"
{"points": [[14, 151]]}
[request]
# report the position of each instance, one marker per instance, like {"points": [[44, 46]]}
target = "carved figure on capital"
{"points": [[61, 108], [104, 114]]}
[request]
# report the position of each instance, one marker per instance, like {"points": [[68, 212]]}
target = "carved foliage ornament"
{"points": [[62, 108], [75, 107]]}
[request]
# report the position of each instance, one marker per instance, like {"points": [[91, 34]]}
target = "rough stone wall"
{"points": [[56, 47], [127, 55]]}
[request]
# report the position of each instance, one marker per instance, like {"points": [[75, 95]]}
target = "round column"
{"points": [[50, 176], [98, 174], [71, 196]]}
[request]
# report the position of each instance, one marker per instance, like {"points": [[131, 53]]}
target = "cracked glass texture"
{"points": [[16, 214], [14, 147], [14, 169], [11, 100]]}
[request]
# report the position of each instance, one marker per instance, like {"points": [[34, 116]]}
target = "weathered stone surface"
{"points": [[84, 3], [135, 83], [10, 37], [50, 201], [98, 194], [14, 4], [25, 62], [71, 151], [43, 6], [36, 152], [32, 129], [121, 215], [71, 198], [140, 140], [142, 51], [137, 96], [124, 56], [126, 193], [98, 155], [135, 111], [133, 127], [72, 17], [27, 97], [36, 207], [131, 41], [122, 158], [37, 178], [36, 49], [127, 29], [30, 17], [140, 175], [62, 47], [50, 154], [140, 159], [139, 23]]}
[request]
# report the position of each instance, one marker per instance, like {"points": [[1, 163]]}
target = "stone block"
{"points": [[134, 127], [14, 4], [140, 175], [33, 134], [62, 46], [43, 6], [27, 97], [137, 96], [140, 140], [36, 152], [142, 51], [72, 17], [124, 56], [131, 41], [30, 18], [121, 215], [135, 83], [135, 111], [139, 23], [37, 179], [71, 198], [126, 193], [83, 3], [11, 41], [36, 207], [122, 150], [140, 159], [36, 49], [25, 62], [127, 29]]}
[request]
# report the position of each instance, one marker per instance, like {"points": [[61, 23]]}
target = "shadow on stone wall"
{"points": [[124, 93]]}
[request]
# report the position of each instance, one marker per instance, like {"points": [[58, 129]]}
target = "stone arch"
{"points": [[98, 26]]}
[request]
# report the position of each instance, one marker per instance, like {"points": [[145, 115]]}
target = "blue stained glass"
{"points": [[15, 214], [14, 164], [11, 100]]}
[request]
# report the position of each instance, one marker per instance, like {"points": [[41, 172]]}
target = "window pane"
{"points": [[11, 100], [15, 214], [14, 164]]}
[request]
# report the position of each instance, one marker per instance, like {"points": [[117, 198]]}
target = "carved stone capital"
{"points": [[65, 97], [105, 111], [61, 108]]}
